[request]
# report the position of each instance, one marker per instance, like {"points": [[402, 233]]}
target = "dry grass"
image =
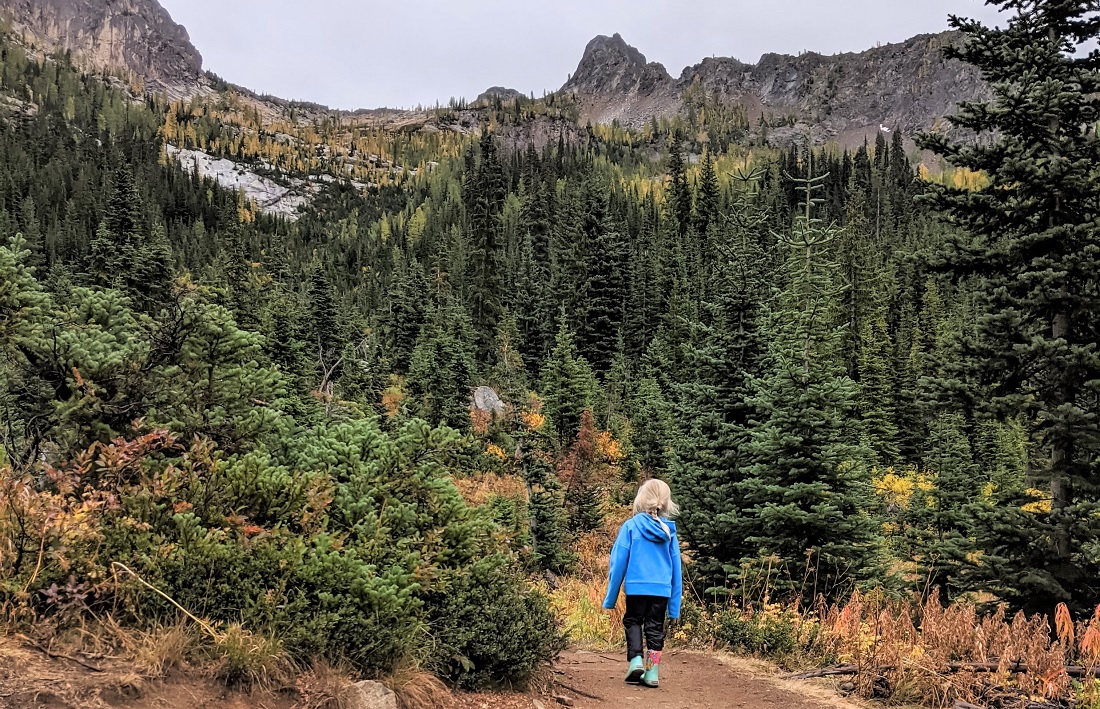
{"points": [[243, 657], [417, 689], [155, 652], [588, 625], [912, 651], [322, 685]]}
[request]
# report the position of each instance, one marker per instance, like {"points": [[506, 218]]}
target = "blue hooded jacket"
{"points": [[646, 556]]}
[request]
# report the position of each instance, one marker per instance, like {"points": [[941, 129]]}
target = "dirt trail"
{"points": [[688, 681]]}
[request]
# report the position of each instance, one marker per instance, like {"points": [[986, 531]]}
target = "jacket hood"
{"points": [[654, 529]]}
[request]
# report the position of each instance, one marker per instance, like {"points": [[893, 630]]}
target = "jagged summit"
{"points": [[845, 97], [138, 37], [609, 66], [616, 83], [909, 85]]}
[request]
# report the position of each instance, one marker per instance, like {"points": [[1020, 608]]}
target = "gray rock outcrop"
{"points": [[137, 37]]}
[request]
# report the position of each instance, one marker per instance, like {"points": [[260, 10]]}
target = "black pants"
{"points": [[648, 611]]}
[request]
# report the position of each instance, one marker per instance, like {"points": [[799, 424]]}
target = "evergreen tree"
{"points": [[509, 375], [709, 202], [947, 511], [679, 191], [406, 314], [484, 201], [607, 296], [806, 495], [652, 431], [723, 354], [547, 517], [327, 341], [565, 390], [876, 394], [1031, 257], [442, 369]]}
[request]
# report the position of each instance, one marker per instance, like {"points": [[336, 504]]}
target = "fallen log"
{"points": [[1012, 668], [837, 671]]}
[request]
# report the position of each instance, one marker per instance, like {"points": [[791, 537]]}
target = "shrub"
{"points": [[345, 542], [490, 629], [767, 634]]}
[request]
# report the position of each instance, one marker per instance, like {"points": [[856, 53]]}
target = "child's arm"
{"points": [[677, 580], [620, 555]]}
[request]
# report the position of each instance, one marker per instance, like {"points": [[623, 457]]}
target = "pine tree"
{"points": [[154, 270], [806, 495], [565, 390], [709, 201], [876, 394], [326, 339], [442, 369], [406, 314], [679, 191], [484, 200], [947, 511], [651, 434], [32, 233], [607, 296], [722, 354], [1032, 257], [509, 375], [582, 497], [546, 513]]}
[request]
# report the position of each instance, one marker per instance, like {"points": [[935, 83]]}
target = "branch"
{"points": [[57, 655]]}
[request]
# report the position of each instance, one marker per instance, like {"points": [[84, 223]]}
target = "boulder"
{"points": [[486, 399], [368, 695]]}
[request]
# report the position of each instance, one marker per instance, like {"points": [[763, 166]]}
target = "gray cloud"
{"points": [[400, 53]]}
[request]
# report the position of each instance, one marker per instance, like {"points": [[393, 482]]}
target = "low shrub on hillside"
{"points": [[345, 541]]}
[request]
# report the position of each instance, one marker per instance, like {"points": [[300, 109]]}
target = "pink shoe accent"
{"points": [[654, 657]]}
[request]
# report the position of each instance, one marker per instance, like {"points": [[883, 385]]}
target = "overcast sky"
{"points": [[399, 53]]}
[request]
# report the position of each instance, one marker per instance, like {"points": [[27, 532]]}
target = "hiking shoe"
{"points": [[637, 669]]}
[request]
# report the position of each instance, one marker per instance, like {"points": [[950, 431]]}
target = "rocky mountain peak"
{"points": [[611, 66], [138, 37]]}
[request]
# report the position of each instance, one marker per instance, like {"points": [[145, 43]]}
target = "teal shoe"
{"points": [[649, 679], [637, 669]]}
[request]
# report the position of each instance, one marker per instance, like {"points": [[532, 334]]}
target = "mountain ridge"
{"points": [[906, 85]]}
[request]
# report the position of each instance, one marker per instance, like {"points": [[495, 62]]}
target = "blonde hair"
{"points": [[655, 498]]}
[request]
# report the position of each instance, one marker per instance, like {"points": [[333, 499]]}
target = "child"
{"points": [[647, 556]]}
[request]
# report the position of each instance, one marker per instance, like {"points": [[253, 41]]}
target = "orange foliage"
{"points": [[480, 489], [480, 420], [392, 398], [912, 648], [608, 448], [533, 420]]}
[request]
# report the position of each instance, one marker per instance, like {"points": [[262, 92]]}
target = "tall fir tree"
{"points": [[1031, 255], [713, 408], [484, 195], [564, 387], [806, 497]]}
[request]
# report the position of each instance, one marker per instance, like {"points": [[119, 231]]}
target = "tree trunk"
{"points": [[1061, 486]]}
